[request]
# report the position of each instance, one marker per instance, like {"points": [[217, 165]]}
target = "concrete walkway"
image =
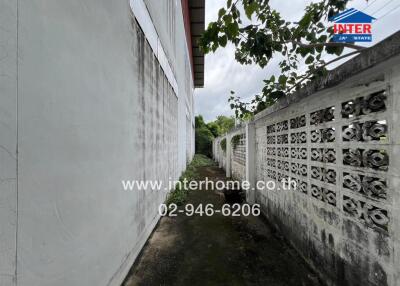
{"points": [[217, 250]]}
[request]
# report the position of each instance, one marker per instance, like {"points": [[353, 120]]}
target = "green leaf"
{"points": [[227, 18], [272, 79], [232, 30], [319, 49], [221, 13], [250, 9], [222, 41], [335, 50], [309, 60], [282, 79], [305, 21], [323, 38], [303, 51], [339, 50], [235, 12], [229, 3], [276, 94]]}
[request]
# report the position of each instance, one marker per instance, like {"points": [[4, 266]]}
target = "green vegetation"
{"points": [[203, 137], [265, 34], [206, 132], [223, 144], [222, 124], [178, 196], [235, 140]]}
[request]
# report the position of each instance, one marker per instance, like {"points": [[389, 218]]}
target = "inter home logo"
{"points": [[352, 26]]}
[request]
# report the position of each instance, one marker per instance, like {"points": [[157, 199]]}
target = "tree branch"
{"points": [[309, 74], [329, 44], [341, 57]]}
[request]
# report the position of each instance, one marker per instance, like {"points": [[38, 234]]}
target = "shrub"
{"points": [[223, 144]]}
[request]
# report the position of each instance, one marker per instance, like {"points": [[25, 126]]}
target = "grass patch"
{"points": [[179, 194]]}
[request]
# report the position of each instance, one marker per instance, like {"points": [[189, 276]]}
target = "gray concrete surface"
{"points": [[217, 250], [94, 108], [345, 220]]}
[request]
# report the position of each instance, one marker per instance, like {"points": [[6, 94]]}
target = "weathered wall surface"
{"points": [[341, 146], [8, 141], [233, 158], [94, 108], [238, 156], [167, 19]]}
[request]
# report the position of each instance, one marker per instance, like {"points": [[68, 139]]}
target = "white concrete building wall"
{"points": [[8, 141], [94, 108], [168, 21]]}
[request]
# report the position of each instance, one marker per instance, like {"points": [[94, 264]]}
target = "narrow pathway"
{"points": [[217, 250]]}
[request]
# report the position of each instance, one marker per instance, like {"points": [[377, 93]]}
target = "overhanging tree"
{"points": [[265, 34], [203, 137]]}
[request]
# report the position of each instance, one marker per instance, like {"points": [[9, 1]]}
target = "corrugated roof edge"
{"points": [[197, 23]]}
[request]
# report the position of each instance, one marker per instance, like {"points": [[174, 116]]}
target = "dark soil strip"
{"points": [[217, 250]]}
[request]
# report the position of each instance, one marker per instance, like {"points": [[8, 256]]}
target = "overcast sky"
{"points": [[223, 73]]}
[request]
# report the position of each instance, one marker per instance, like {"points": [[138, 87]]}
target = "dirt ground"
{"points": [[217, 250]]}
